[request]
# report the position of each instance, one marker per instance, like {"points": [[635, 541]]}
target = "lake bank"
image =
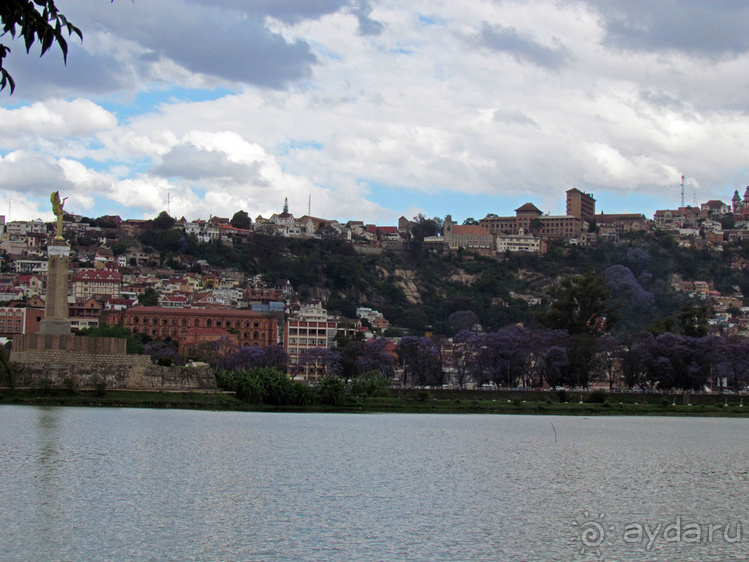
{"points": [[412, 401]]}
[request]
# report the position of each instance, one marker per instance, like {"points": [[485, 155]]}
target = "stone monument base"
{"points": [[55, 327], [88, 361]]}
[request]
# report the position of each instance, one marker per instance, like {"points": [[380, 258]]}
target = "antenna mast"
{"points": [[309, 206], [169, 198], [682, 191]]}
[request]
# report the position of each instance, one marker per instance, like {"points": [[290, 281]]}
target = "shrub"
{"points": [[70, 384], [597, 397], [370, 384], [100, 386], [261, 385], [422, 395], [46, 385], [301, 394], [562, 396], [664, 402], [331, 390]]}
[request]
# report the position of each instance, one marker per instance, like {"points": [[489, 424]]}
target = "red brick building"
{"points": [[17, 320], [185, 325]]}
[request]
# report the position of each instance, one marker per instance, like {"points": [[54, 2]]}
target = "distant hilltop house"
{"points": [[740, 207], [307, 226], [615, 224], [375, 318]]}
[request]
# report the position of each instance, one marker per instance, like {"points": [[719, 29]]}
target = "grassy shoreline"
{"points": [[453, 402]]}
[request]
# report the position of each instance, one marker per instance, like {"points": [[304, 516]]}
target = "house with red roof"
{"points": [[104, 283], [469, 236]]}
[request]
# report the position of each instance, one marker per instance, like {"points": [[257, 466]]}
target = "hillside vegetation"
{"points": [[419, 291]]}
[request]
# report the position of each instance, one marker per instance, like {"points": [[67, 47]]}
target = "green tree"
{"points": [[693, 320], [149, 297], [470, 221], [241, 220], [425, 227], [332, 390], [9, 371], [33, 20], [133, 345], [578, 305], [163, 221]]}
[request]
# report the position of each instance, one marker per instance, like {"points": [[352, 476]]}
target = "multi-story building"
{"points": [[311, 327], [676, 219], [520, 242], [581, 205], [529, 218], [102, 283], [471, 237], [715, 209], [22, 228], [186, 325], [31, 266], [619, 223], [375, 318], [16, 320]]}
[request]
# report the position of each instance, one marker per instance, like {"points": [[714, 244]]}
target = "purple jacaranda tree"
{"points": [[465, 343], [555, 361], [638, 256], [321, 361], [672, 362], [375, 357], [536, 356], [605, 365], [249, 357], [420, 360], [160, 351], [711, 361], [636, 358], [463, 320], [737, 355], [496, 356], [625, 288]]}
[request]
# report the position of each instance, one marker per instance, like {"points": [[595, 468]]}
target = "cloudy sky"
{"points": [[370, 110]]}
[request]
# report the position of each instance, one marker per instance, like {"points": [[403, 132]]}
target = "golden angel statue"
{"points": [[57, 206]]}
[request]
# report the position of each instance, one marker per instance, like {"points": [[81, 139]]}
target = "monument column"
{"points": [[56, 321]]}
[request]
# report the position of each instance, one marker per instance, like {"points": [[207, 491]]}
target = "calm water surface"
{"points": [[127, 484]]}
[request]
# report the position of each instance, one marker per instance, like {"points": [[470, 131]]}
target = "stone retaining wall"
{"points": [[86, 362]]}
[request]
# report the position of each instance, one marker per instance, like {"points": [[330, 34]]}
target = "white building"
{"points": [[519, 242]]}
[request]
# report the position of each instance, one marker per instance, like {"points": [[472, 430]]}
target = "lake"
{"points": [[139, 484]]}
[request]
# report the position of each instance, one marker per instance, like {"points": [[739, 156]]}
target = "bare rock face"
{"points": [[463, 277], [404, 279]]}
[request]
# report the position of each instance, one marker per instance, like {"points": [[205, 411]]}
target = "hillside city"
{"points": [[199, 308]]}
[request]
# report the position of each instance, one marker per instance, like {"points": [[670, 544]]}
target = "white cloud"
{"points": [[52, 119], [511, 99]]}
